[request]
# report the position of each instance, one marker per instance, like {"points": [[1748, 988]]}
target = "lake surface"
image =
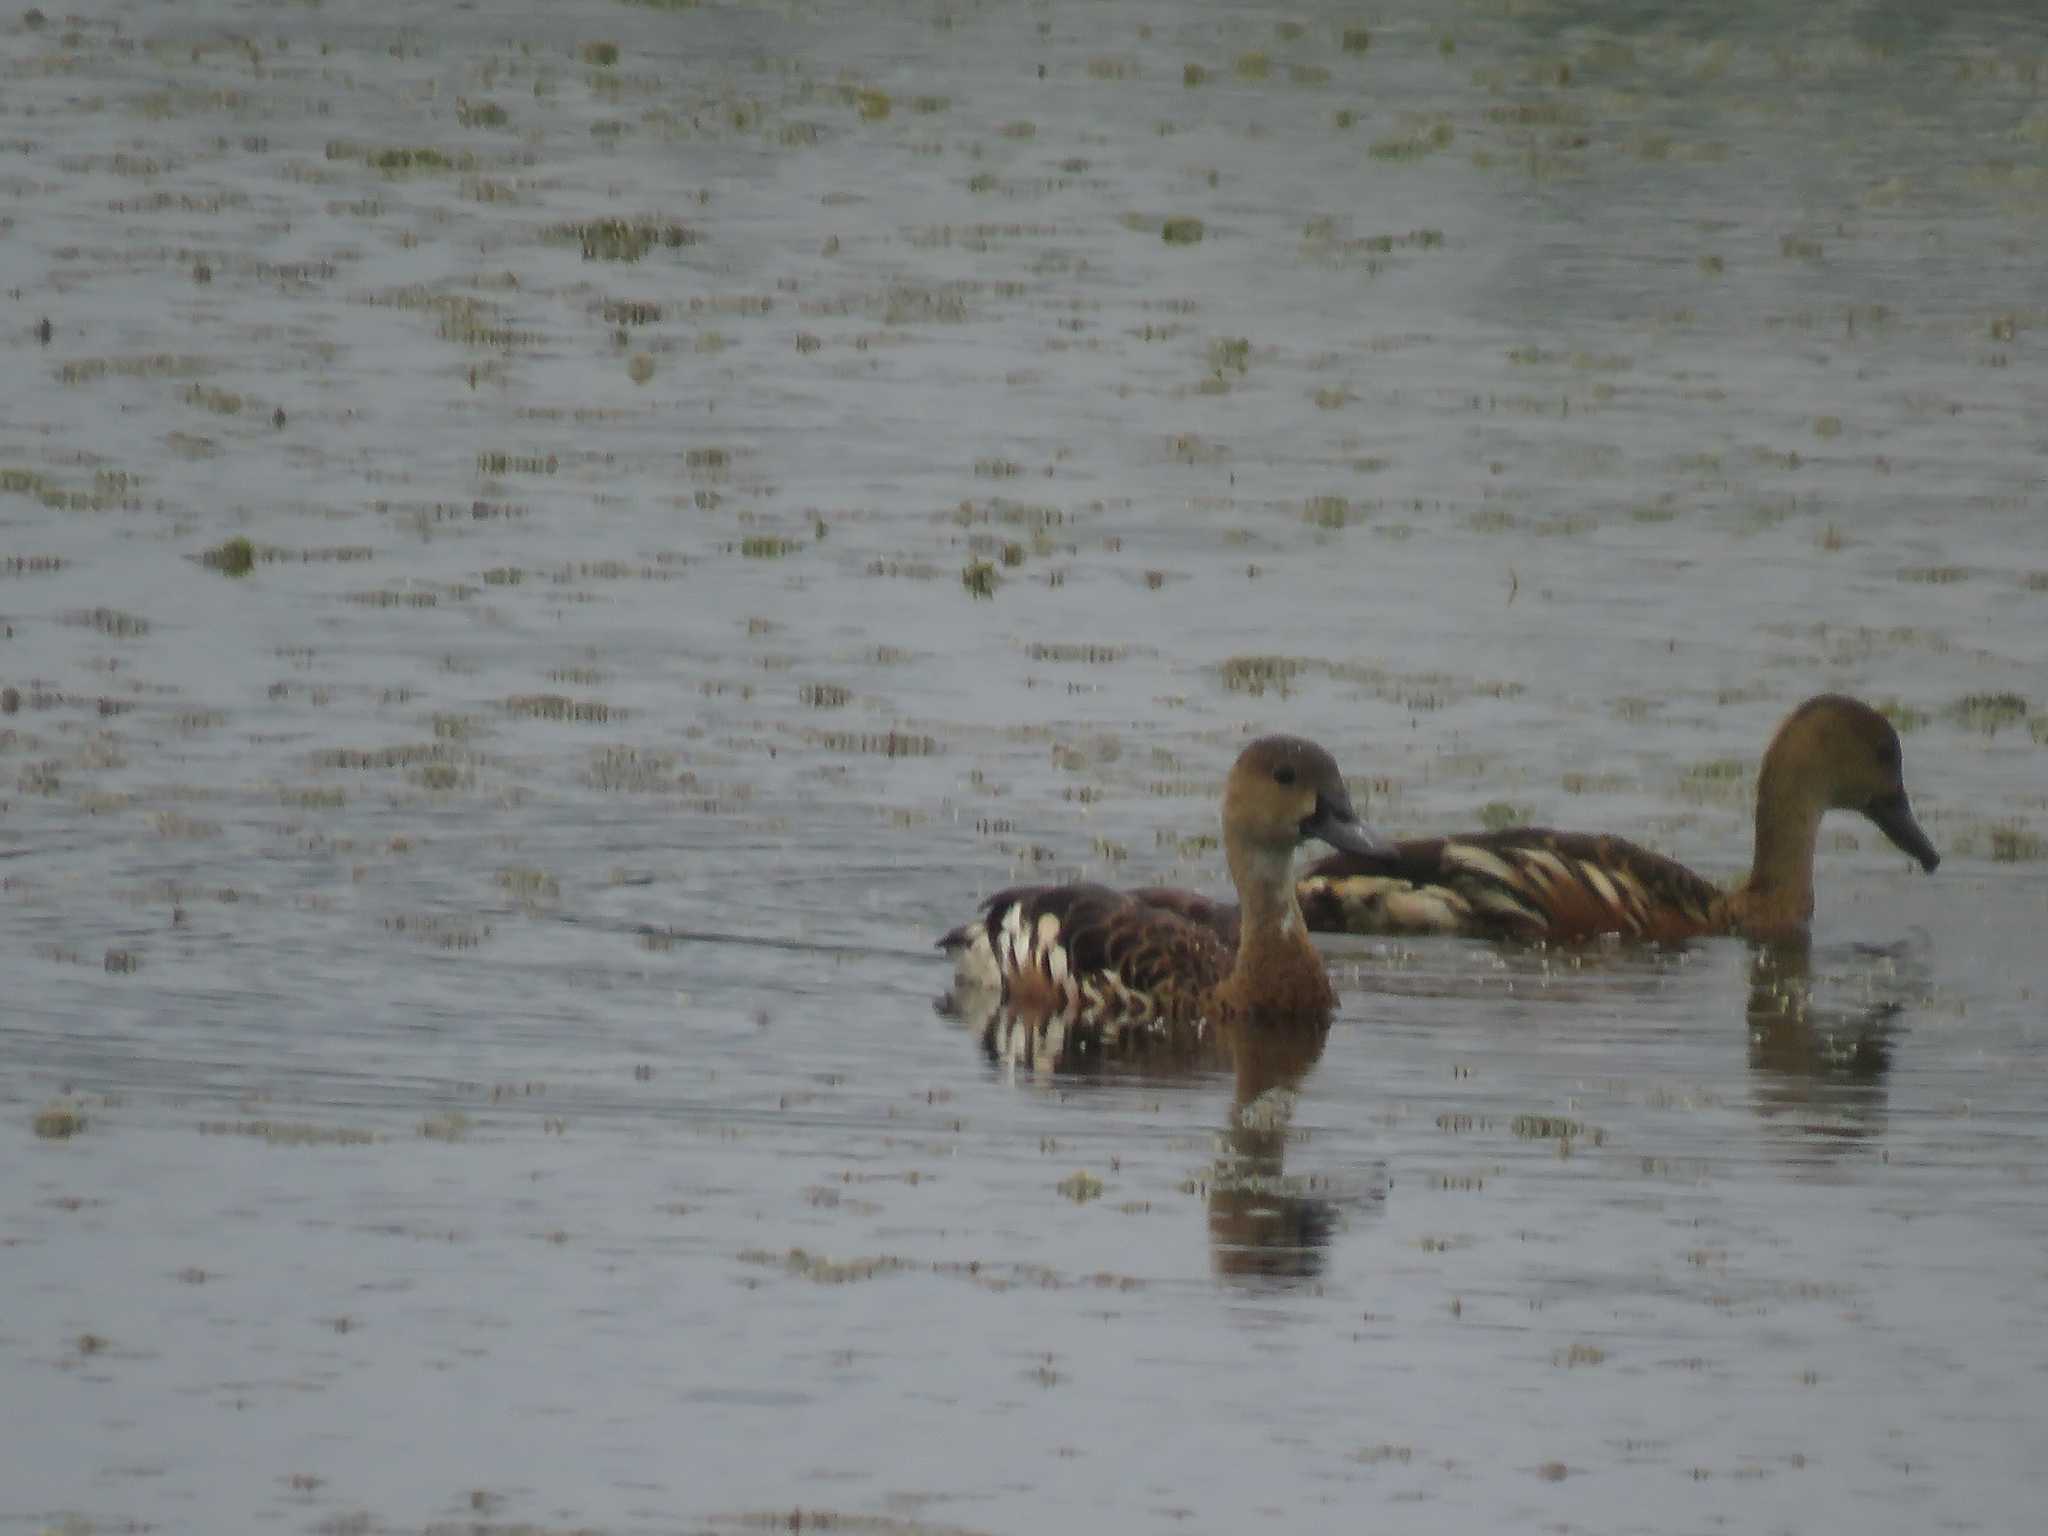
{"points": [[546, 553]]}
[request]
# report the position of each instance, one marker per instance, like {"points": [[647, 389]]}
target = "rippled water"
{"points": [[468, 1056]]}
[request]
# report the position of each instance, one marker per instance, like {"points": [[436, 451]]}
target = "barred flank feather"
{"points": [[1524, 883], [1088, 951]]}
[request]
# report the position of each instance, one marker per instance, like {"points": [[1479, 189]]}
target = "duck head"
{"points": [[1851, 757], [1283, 791]]}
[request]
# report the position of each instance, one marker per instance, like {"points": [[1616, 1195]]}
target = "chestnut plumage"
{"points": [[1172, 957], [1831, 753]]}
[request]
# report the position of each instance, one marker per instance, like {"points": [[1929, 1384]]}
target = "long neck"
{"points": [[1277, 970], [1264, 877], [1787, 833]]}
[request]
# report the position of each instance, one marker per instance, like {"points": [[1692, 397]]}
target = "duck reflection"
{"points": [[1055, 1044], [1265, 1225], [1820, 1063]]}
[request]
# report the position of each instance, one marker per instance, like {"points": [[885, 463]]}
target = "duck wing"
{"points": [[1521, 883], [1219, 917], [1087, 950]]}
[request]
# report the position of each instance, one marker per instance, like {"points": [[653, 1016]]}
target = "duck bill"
{"points": [[1335, 823], [1894, 817]]}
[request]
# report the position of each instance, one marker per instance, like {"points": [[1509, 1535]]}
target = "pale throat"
{"points": [[1264, 876]]}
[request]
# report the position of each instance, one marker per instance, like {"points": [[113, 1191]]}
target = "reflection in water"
{"points": [[1264, 1223], [1051, 1044], [1820, 1065]]}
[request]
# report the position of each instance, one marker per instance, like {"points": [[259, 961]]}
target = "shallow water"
{"points": [[488, 943]]}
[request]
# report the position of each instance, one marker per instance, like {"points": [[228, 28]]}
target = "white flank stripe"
{"points": [[1048, 931], [1479, 861], [1015, 945], [1427, 909], [1507, 904], [1361, 891], [1547, 865], [1632, 888], [1597, 878]]}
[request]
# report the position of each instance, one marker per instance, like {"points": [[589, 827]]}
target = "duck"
{"points": [[1534, 883], [1086, 953]]}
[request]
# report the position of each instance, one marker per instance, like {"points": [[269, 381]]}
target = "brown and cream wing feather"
{"points": [[1523, 883], [1088, 950]]}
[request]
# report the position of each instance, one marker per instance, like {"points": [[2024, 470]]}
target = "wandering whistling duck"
{"points": [[1172, 957], [1831, 754]]}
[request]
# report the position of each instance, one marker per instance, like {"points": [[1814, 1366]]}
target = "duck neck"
{"points": [[1787, 833], [1270, 924]]}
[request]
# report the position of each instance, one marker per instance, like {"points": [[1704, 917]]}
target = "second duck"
{"points": [[1832, 753]]}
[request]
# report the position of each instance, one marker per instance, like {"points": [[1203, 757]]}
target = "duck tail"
{"points": [[975, 966]]}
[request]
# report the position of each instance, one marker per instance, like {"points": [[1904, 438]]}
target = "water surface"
{"points": [[728, 486]]}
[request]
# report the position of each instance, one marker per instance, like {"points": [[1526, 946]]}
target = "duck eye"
{"points": [[1284, 774]]}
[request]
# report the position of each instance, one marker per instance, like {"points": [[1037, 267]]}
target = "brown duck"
{"points": [[1171, 957], [1832, 753]]}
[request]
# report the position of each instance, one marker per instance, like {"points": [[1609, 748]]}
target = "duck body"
{"points": [[1534, 883], [1088, 949], [1171, 957], [1523, 883]]}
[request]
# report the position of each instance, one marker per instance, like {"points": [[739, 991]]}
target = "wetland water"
{"points": [[488, 941]]}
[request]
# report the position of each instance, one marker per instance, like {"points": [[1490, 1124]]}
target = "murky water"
{"points": [[726, 487]]}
